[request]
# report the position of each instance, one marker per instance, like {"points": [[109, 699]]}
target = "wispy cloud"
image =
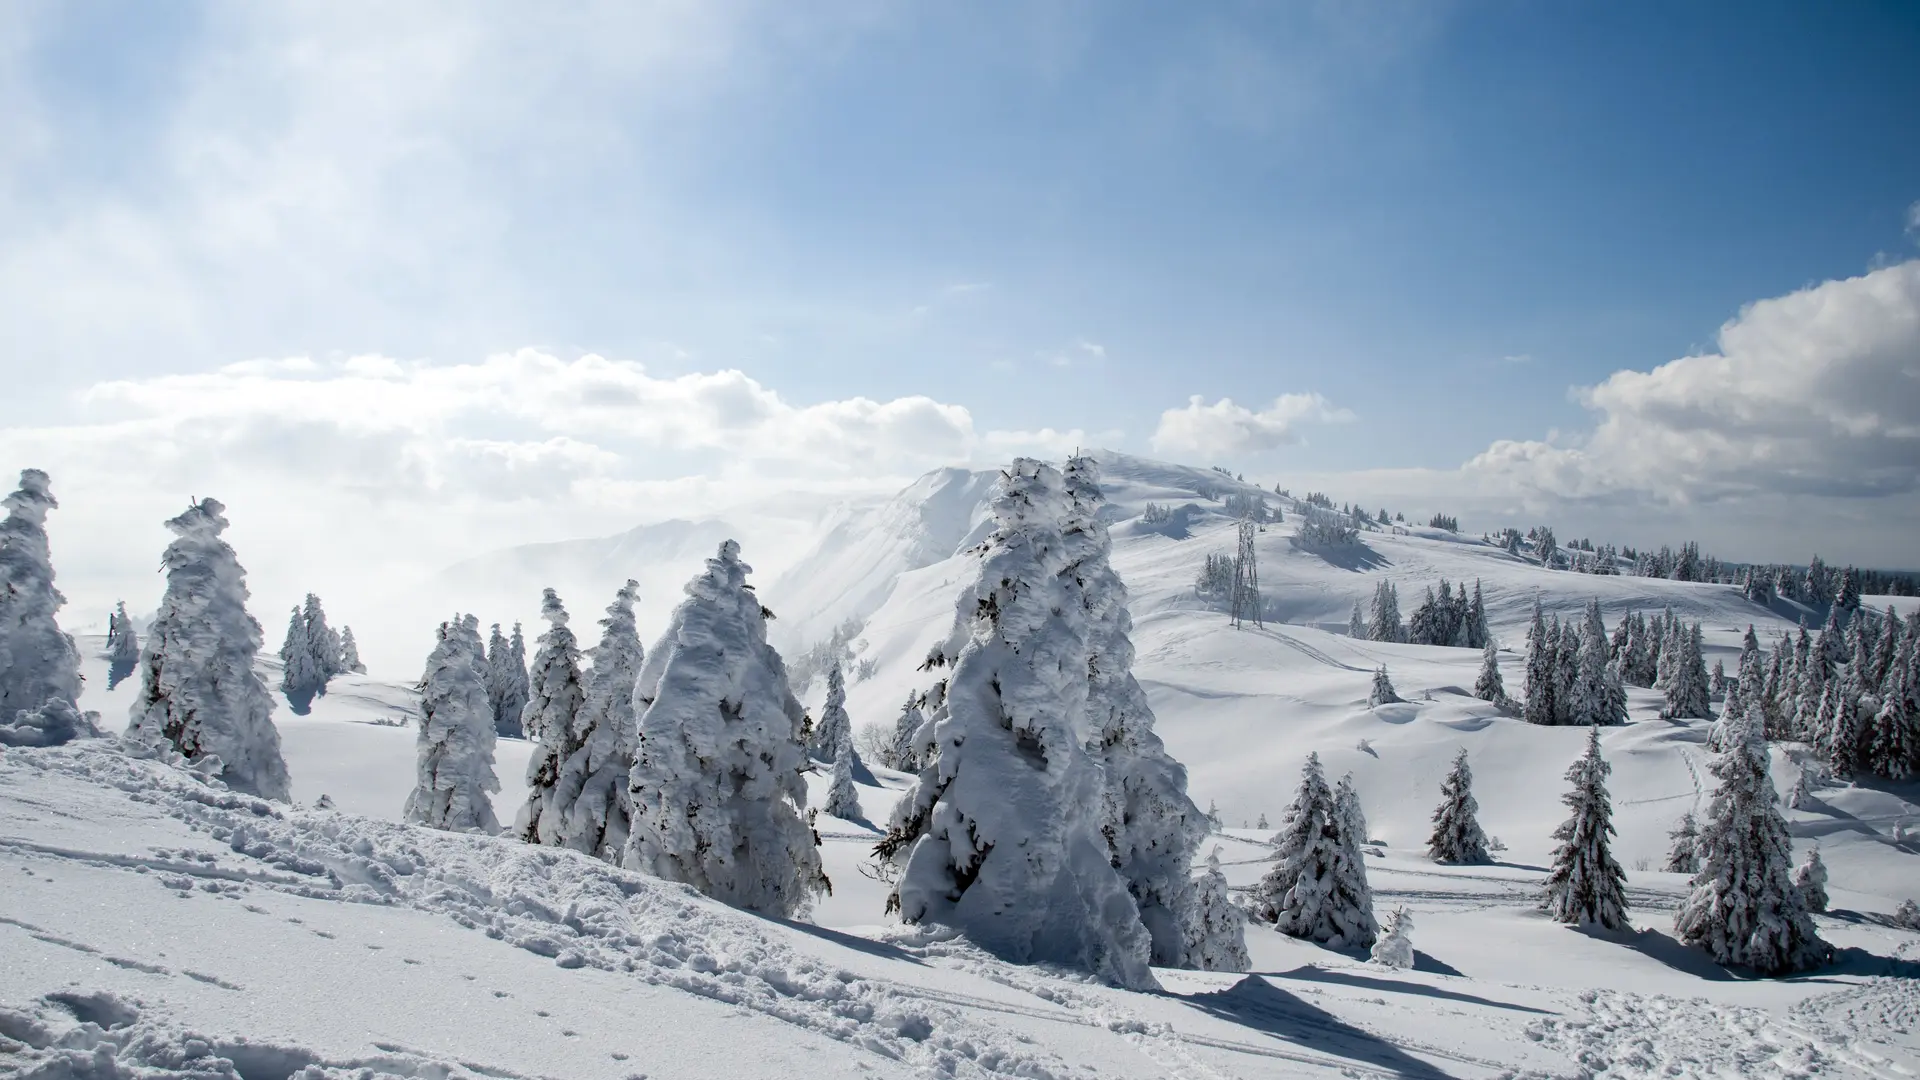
{"points": [[1225, 428]]}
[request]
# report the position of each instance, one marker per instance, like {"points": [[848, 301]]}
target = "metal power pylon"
{"points": [[1246, 579]]}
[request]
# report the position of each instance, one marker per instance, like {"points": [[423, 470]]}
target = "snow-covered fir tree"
{"points": [[300, 676], [1395, 947], [1596, 699], [1542, 661], [199, 694], [590, 803], [1893, 740], [1002, 837], [718, 788], [350, 653], [1216, 930], [39, 663], [123, 648], [907, 752], [1810, 878], [1687, 695], [1317, 887], [322, 642], [1382, 691], [1357, 623], [834, 726], [1683, 846], [1488, 685], [1384, 625], [552, 720], [1744, 909], [1152, 826], [1566, 670], [1586, 885], [454, 778], [1457, 837], [843, 799], [509, 687]]}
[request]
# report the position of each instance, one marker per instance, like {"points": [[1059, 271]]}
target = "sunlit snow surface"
{"points": [[153, 926]]}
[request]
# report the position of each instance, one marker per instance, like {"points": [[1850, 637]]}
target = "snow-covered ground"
{"points": [[147, 916]]}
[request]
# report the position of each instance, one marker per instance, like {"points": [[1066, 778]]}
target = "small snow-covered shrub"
{"points": [[1395, 947]]}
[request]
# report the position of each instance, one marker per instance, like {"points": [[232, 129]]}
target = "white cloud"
{"points": [[1225, 428], [1518, 358], [1815, 392]]}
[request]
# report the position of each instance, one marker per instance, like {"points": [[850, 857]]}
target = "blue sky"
{"points": [[1438, 217]]}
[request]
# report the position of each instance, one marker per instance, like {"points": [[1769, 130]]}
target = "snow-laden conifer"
{"points": [[834, 726], [454, 778], [350, 653], [199, 693], [123, 651], [1810, 878], [1542, 658], [843, 798], [1316, 888], [1357, 623], [1457, 837], [322, 642], [1683, 846], [1382, 691], [509, 685], [1586, 885], [590, 802], [552, 720], [718, 787], [38, 661], [1152, 826], [907, 738], [1395, 947], [1687, 695], [1595, 701], [1488, 685], [300, 675], [1001, 836], [1893, 740], [1216, 930], [1744, 909], [1384, 625]]}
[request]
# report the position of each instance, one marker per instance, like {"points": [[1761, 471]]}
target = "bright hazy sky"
{"points": [[440, 277]]}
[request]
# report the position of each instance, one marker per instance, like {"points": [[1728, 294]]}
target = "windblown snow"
{"points": [[154, 923]]}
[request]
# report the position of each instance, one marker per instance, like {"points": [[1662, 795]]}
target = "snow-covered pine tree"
{"points": [[350, 653], [123, 652], [907, 738], [1893, 740], [1216, 930], [1310, 892], [300, 677], [1744, 909], [1395, 947], [1542, 654], [1687, 685], [1566, 669], [1841, 736], [1889, 647], [1585, 884], [1591, 703], [552, 720], [1382, 692], [1683, 849], [199, 693], [497, 653], [1477, 633], [1385, 622], [322, 643], [590, 803], [454, 780], [1488, 686], [509, 668], [834, 726], [1357, 624], [1349, 816], [1152, 826], [39, 663], [719, 789], [1810, 878], [1717, 682], [1002, 837], [843, 799], [1457, 837]]}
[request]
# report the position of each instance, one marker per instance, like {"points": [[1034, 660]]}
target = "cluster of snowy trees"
{"points": [[313, 654], [1326, 528], [1571, 675], [1317, 886], [1851, 692], [1047, 821], [1449, 618], [508, 685]]}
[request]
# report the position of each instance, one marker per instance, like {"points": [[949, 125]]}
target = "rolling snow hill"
{"points": [[153, 926]]}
